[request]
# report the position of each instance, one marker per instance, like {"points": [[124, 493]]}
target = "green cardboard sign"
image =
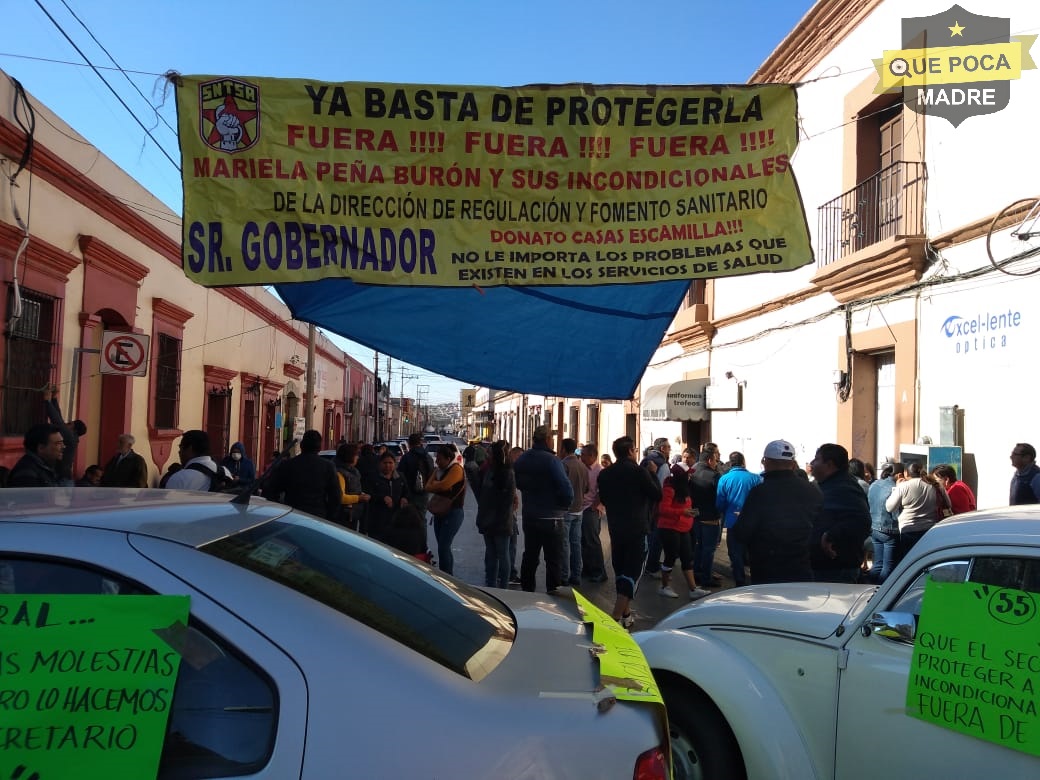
{"points": [[86, 684], [622, 666], [976, 665]]}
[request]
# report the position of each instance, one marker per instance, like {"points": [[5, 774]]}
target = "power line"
{"points": [[118, 67], [110, 88], [54, 61], [922, 286]]}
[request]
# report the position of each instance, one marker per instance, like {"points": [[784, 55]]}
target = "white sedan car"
{"points": [[810, 681], [328, 655]]}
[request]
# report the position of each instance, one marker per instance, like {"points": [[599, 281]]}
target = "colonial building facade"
{"points": [[514, 416], [95, 303], [909, 337]]}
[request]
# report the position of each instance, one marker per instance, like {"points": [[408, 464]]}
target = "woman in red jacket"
{"points": [[675, 515], [961, 497]]}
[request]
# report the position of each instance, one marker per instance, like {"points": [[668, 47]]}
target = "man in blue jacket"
{"points": [[546, 493], [242, 469], [733, 488]]}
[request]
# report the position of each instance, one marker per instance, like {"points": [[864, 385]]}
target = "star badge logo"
{"points": [[229, 114]]}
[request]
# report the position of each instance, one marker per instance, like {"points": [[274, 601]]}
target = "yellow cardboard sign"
{"points": [[622, 667], [292, 180]]}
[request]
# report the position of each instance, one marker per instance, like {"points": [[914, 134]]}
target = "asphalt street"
{"points": [[648, 606]]}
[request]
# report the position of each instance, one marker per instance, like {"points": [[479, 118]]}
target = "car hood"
{"points": [[806, 609]]}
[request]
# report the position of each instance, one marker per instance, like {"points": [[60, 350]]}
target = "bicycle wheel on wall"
{"points": [[1014, 234]]}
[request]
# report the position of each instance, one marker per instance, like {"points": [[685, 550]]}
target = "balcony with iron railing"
{"points": [[872, 238]]}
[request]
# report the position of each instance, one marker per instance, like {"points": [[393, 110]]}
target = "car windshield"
{"points": [[452, 623]]}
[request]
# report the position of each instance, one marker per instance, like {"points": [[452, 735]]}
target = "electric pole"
{"points": [[420, 391], [403, 377], [389, 379], [375, 404], [308, 412]]}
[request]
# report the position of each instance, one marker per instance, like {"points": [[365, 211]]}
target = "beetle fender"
{"points": [[772, 746]]}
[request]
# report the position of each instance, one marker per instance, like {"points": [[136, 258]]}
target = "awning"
{"points": [[576, 342], [682, 401]]}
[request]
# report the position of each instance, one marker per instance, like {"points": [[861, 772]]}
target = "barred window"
{"points": [[31, 357], [167, 381], [593, 425]]}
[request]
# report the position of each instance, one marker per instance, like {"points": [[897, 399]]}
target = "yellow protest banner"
{"points": [[290, 180]]}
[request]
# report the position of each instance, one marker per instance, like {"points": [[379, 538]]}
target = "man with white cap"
{"points": [[777, 519]]}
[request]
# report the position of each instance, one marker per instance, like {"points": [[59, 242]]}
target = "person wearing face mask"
{"points": [[243, 470]]}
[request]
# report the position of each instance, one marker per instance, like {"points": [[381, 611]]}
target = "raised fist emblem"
{"points": [[230, 128]]}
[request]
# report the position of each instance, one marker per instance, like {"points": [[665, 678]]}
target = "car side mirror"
{"points": [[900, 626]]}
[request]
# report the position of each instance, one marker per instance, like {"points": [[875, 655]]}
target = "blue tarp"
{"points": [[574, 342]]}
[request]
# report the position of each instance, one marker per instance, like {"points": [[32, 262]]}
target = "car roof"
{"points": [[188, 517], [1004, 525]]}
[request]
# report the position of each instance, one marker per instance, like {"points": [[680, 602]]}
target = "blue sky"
{"points": [[480, 43]]}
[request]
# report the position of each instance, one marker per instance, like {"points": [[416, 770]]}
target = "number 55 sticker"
{"points": [[1013, 607]]}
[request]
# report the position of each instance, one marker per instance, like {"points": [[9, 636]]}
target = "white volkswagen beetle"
{"points": [[810, 680]]}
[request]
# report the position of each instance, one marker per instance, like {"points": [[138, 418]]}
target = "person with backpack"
{"points": [[200, 471], [416, 466]]}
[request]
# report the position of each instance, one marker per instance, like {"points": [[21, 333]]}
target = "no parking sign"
{"points": [[124, 353]]}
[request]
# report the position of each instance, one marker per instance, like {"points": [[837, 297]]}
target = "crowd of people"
{"points": [[833, 521], [782, 523]]}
